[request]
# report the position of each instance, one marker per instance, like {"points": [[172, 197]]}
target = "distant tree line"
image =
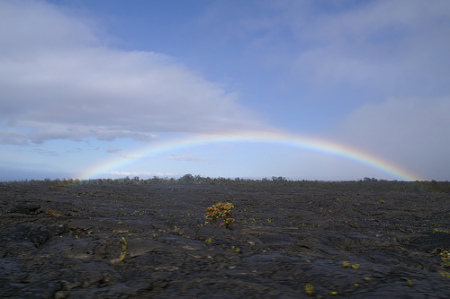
{"points": [[189, 179]]}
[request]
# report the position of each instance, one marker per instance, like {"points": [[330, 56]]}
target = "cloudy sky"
{"points": [[305, 89]]}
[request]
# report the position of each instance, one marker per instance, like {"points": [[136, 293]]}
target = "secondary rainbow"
{"points": [[302, 142]]}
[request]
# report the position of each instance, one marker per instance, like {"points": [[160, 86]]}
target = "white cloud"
{"points": [[59, 81], [34, 26], [130, 156]]}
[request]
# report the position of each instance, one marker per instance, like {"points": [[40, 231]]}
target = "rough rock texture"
{"points": [[151, 241]]}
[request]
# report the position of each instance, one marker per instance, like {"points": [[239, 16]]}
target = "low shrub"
{"points": [[220, 213], [53, 213], [445, 256]]}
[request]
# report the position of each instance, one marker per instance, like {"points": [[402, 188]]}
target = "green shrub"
{"points": [[220, 212]]}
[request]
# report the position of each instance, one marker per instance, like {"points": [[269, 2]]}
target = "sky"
{"points": [[304, 89]]}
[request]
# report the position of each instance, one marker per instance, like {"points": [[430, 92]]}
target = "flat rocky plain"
{"points": [[151, 241]]}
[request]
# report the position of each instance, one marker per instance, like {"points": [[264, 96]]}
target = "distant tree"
{"points": [[187, 179]]}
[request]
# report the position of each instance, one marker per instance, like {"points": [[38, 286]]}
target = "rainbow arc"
{"points": [[306, 143]]}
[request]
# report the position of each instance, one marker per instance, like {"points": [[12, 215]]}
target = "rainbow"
{"points": [[307, 143]]}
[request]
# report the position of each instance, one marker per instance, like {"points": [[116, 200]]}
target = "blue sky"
{"points": [[94, 88]]}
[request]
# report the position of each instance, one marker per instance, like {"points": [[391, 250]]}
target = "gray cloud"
{"points": [[395, 46], [408, 131], [42, 131], [385, 46], [12, 137], [59, 81], [46, 152], [383, 62], [190, 158], [113, 150]]}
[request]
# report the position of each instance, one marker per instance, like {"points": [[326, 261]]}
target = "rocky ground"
{"points": [[151, 241]]}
